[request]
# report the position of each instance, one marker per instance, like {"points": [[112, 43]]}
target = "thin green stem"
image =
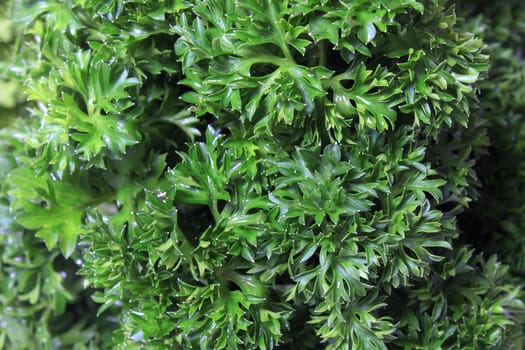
{"points": [[215, 210], [322, 53]]}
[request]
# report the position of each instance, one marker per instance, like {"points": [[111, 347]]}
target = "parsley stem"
{"points": [[322, 53], [215, 210]]}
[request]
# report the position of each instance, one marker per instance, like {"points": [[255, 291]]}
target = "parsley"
{"points": [[244, 174]]}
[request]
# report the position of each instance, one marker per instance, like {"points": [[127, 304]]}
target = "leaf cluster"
{"points": [[247, 175]]}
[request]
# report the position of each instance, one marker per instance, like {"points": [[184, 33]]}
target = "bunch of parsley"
{"points": [[245, 174]]}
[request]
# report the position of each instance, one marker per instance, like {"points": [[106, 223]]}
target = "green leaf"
{"points": [[53, 209]]}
